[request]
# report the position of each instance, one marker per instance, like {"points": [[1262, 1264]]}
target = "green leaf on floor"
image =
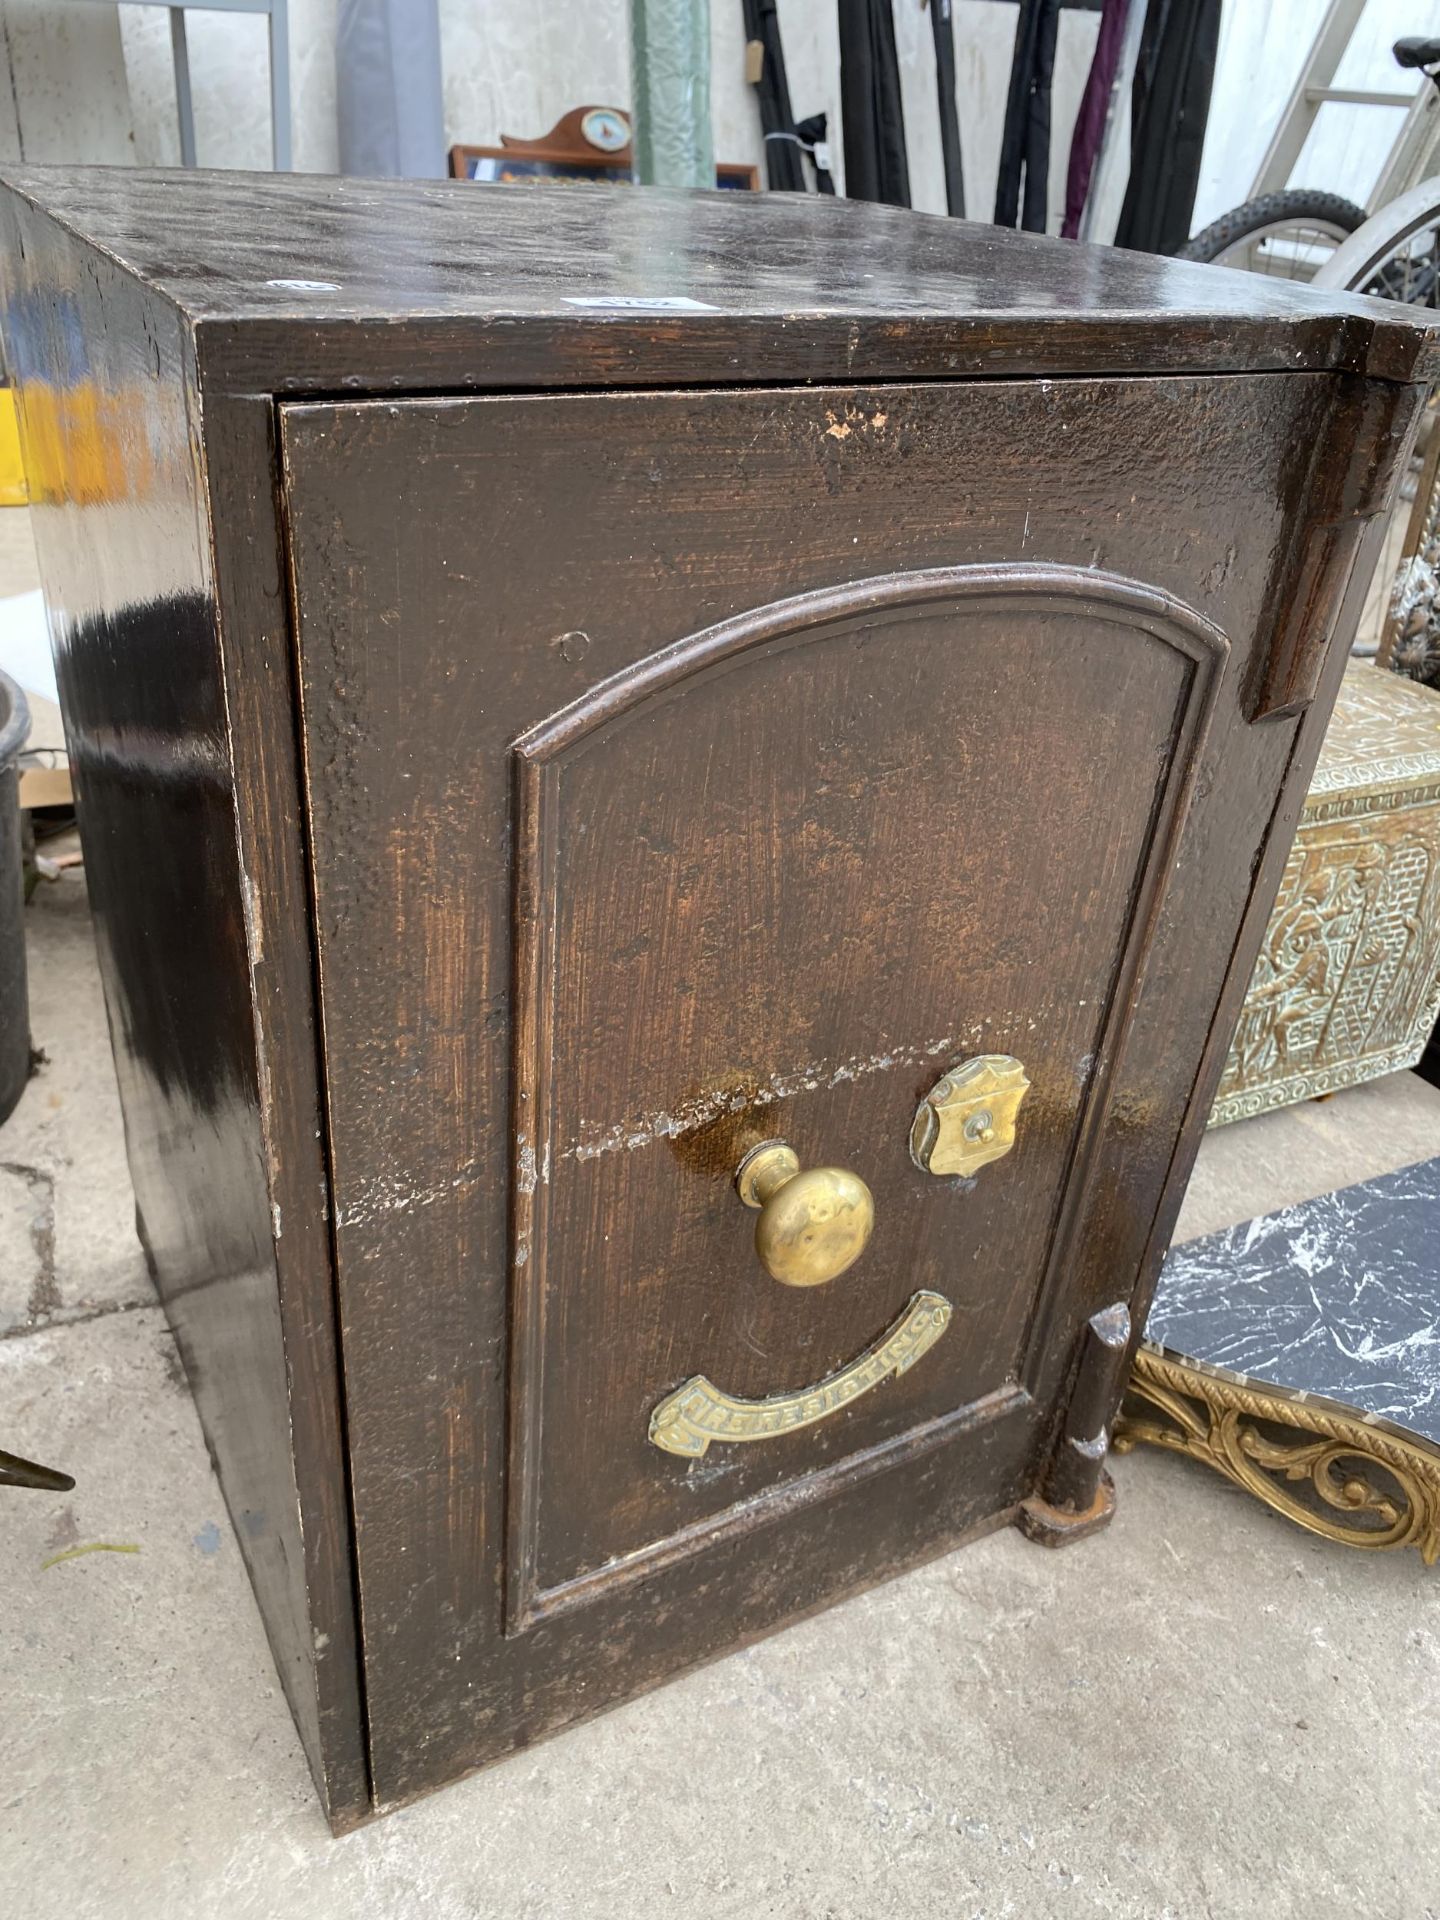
{"points": [[91, 1546]]}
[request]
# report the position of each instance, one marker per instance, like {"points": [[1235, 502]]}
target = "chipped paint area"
{"points": [[645, 1129], [851, 419], [254, 918], [376, 1199], [525, 1169]]}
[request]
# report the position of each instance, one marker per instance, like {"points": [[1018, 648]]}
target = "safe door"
{"points": [[773, 884], [742, 825]]}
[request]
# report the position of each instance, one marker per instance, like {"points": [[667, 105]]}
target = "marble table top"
{"points": [[1337, 1296]]}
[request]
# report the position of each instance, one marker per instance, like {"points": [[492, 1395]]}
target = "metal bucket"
{"points": [[14, 1005]]}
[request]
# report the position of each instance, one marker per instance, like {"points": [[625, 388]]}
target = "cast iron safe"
{"points": [[567, 689]]}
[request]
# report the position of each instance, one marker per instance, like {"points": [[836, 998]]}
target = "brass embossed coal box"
{"points": [[1347, 985]]}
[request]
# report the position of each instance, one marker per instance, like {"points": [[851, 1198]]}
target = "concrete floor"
{"points": [[1202, 1712], [19, 569]]}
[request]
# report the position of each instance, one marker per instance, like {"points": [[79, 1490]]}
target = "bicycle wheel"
{"points": [[1288, 236], [1395, 254]]}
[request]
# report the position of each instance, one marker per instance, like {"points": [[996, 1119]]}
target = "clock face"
{"points": [[606, 128]]}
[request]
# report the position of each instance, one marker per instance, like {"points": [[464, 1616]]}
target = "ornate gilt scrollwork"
{"points": [[1326, 1467]]}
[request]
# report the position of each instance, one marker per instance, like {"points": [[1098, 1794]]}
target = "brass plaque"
{"points": [[968, 1118], [687, 1420]]}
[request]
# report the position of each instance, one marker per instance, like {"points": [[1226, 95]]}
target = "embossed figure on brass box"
{"points": [[1347, 985], [573, 695]]}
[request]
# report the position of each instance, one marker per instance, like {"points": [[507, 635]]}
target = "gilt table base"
{"points": [[1299, 1355]]}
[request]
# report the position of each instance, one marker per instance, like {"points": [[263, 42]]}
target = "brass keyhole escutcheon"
{"points": [[969, 1116], [812, 1225]]}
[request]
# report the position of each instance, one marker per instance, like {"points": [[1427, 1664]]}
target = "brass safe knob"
{"points": [[812, 1225]]}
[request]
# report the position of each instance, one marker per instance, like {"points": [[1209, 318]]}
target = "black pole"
{"points": [[784, 170], [949, 121], [876, 166]]}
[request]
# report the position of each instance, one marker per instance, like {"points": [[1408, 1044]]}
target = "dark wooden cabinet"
{"points": [[566, 689]]}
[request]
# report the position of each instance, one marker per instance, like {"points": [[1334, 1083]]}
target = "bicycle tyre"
{"points": [[1410, 626], [1295, 206], [1355, 263]]}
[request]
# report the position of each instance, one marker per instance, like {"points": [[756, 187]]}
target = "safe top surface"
{"points": [[852, 290]]}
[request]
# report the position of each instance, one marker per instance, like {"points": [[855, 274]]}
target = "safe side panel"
{"points": [[466, 569], [103, 377]]}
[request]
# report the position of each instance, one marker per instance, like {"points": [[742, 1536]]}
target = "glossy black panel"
{"points": [[104, 373]]}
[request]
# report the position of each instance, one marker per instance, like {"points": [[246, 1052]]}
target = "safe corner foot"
{"points": [[1051, 1526]]}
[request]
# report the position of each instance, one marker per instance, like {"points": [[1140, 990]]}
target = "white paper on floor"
{"points": [[25, 644]]}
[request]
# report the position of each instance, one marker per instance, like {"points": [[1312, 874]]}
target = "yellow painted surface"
{"points": [[12, 473]]}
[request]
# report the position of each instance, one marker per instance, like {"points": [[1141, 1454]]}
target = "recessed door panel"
{"points": [[773, 883]]}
